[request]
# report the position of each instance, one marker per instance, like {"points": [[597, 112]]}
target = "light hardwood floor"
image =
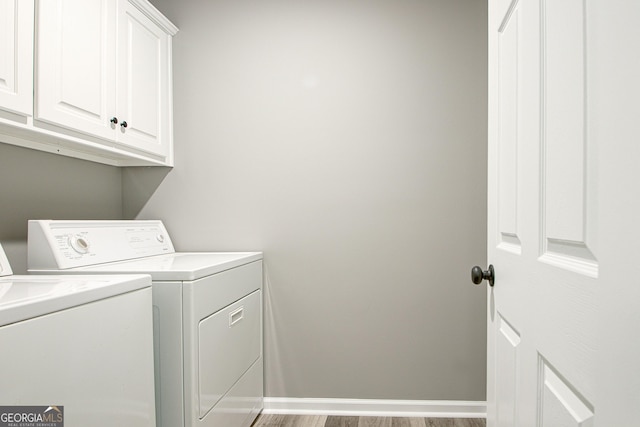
{"points": [[333, 421]]}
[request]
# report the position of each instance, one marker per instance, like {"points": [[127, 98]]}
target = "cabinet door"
{"points": [[16, 56], [143, 82], [76, 59]]}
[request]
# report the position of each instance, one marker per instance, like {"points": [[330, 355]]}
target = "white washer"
{"points": [[207, 313], [83, 344]]}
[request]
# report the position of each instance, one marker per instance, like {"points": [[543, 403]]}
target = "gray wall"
{"points": [[38, 185], [346, 140]]}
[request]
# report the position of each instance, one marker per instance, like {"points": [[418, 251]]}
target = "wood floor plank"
{"points": [[439, 422], [270, 420], [454, 422], [274, 420], [473, 422], [290, 421], [407, 422], [308, 421], [375, 422], [333, 421]]}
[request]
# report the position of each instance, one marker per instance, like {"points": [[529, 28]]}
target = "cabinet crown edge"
{"points": [[155, 15]]}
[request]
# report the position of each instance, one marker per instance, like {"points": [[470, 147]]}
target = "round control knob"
{"points": [[79, 244], [160, 238]]}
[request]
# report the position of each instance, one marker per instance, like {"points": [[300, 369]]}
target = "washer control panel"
{"points": [[5, 267], [79, 244], [68, 244]]}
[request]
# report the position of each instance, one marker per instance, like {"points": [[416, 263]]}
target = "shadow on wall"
{"points": [[139, 184], [40, 185]]}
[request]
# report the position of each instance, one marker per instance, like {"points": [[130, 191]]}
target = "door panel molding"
{"points": [[508, 131], [565, 222], [559, 403], [508, 341]]}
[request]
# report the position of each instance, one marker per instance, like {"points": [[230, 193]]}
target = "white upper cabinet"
{"points": [[102, 76], [143, 81], [16, 58], [76, 65]]}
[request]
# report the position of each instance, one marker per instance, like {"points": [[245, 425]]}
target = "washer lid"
{"points": [[26, 297], [177, 266]]}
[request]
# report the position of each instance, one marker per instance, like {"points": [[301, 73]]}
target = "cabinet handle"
{"points": [[123, 124], [114, 120]]}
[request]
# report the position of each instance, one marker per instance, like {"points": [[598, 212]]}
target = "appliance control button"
{"points": [[79, 244], [160, 238]]}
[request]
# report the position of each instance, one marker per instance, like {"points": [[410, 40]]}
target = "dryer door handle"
{"points": [[236, 315]]}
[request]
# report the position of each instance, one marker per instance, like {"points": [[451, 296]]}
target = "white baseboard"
{"points": [[375, 407]]}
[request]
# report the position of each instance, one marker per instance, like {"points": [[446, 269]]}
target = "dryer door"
{"points": [[229, 343]]}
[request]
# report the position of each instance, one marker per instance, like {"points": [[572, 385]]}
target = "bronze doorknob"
{"points": [[477, 275]]}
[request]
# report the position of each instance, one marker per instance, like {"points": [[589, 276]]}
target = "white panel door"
{"points": [[564, 205], [16, 56], [143, 79], [76, 64]]}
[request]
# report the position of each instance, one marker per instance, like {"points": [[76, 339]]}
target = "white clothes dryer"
{"points": [[207, 313], [76, 350]]}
